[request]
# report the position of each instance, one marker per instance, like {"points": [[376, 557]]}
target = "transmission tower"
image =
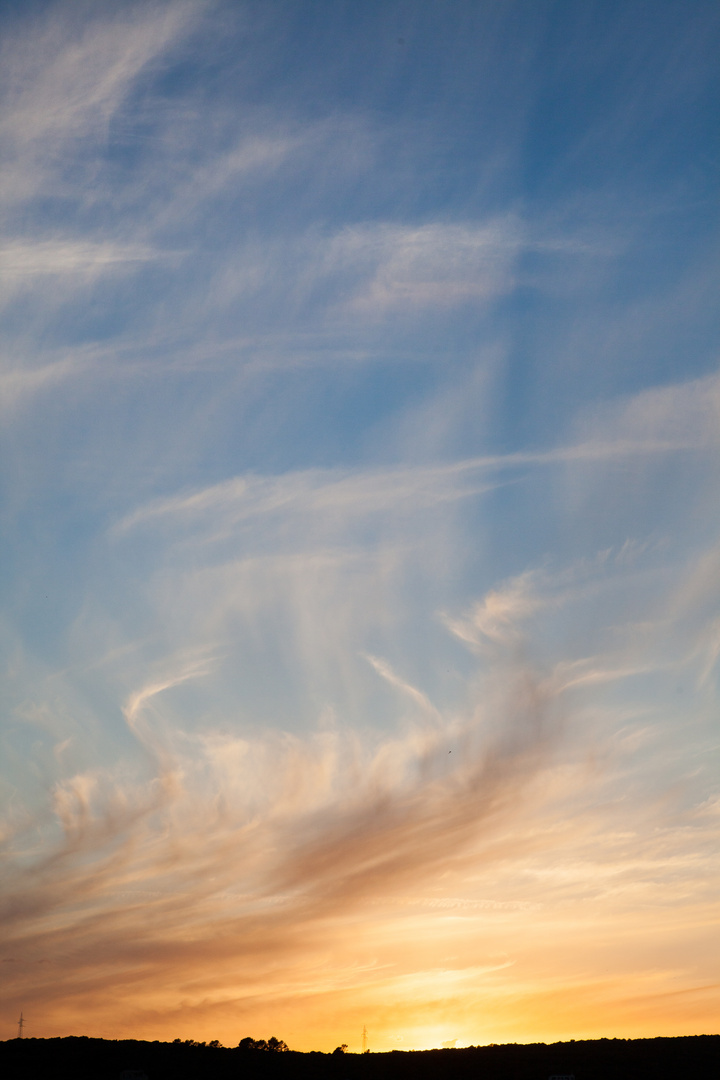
{"points": [[21, 1024], [365, 1045]]}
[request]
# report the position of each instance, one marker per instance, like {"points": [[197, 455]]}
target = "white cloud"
{"points": [[428, 266], [500, 615], [22, 385], [63, 85], [683, 413], [24, 259], [320, 495]]}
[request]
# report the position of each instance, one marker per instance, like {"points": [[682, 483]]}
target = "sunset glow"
{"points": [[360, 514]]}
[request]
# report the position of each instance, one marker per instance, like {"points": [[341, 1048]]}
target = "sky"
{"points": [[360, 519]]}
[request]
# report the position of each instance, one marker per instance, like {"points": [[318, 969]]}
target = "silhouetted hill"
{"points": [[685, 1058]]}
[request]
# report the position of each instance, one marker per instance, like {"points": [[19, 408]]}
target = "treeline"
{"points": [[80, 1058], [245, 1044]]}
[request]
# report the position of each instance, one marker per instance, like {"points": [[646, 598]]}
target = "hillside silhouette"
{"points": [[82, 1058]]}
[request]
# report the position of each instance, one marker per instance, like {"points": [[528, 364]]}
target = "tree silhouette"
{"points": [[260, 1044]]}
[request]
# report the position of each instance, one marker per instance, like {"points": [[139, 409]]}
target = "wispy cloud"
{"points": [[64, 84], [296, 831], [24, 259], [360, 550], [269, 843], [431, 266]]}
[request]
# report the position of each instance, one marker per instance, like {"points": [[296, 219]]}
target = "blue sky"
{"points": [[359, 508]]}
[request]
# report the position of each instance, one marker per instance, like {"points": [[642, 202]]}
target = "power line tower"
{"points": [[365, 1045], [21, 1024]]}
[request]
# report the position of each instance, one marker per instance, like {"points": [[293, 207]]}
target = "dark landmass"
{"points": [[79, 1058]]}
